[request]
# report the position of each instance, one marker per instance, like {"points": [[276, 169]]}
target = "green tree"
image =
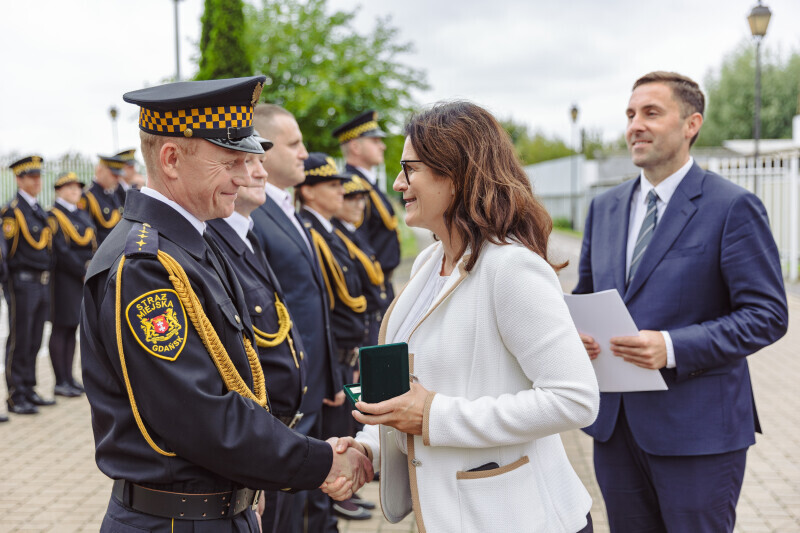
{"points": [[325, 71], [730, 96], [222, 50], [536, 147]]}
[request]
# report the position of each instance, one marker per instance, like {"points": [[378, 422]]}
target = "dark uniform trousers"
{"points": [[384, 242], [27, 292], [163, 415], [285, 365], [71, 258], [104, 208], [298, 272]]}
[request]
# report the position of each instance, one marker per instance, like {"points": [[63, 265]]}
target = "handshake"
{"points": [[350, 470]]}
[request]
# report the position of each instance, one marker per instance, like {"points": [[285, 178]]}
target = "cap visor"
{"points": [[374, 133], [245, 144]]}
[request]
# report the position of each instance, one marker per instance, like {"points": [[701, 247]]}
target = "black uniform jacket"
{"points": [[384, 241], [18, 218], [221, 440], [104, 208], [71, 259], [298, 272], [377, 296], [284, 371], [349, 327]]}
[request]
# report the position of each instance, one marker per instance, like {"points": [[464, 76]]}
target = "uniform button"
{"points": [[305, 389], [237, 319], [344, 268], [302, 355], [258, 309], [416, 462]]}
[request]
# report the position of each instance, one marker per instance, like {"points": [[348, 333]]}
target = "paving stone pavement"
{"points": [[49, 481]]}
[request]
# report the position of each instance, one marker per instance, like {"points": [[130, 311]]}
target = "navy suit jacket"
{"points": [[299, 275], [711, 277]]}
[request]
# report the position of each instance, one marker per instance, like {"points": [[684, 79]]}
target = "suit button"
{"points": [[258, 309], [237, 319]]}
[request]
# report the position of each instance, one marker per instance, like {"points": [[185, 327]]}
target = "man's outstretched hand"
{"points": [[350, 470]]}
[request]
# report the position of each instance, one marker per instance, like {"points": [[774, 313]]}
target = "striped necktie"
{"points": [[645, 233]]}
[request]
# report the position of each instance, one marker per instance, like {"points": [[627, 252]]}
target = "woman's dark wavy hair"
{"points": [[493, 200]]}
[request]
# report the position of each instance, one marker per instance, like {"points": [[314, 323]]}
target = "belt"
{"points": [[42, 276], [290, 421], [182, 506], [348, 357]]}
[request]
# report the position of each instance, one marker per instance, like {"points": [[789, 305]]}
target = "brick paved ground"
{"points": [[50, 483]]}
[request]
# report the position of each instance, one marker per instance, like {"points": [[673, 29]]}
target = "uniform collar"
{"points": [[66, 205], [196, 223], [28, 198], [322, 220]]}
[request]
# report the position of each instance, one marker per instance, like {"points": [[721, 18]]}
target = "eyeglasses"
{"points": [[404, 163]]}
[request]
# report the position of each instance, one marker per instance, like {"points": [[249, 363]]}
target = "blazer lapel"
{"points": [[618, 242], [279, 217], [679, 211]]}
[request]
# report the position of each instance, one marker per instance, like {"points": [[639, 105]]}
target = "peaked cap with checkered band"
{"points": [[219, 111]]}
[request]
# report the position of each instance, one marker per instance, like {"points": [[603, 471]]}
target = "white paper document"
{"points": [[603, 315]]}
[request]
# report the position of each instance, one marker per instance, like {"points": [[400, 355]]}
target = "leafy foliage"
{"points": [[730, 96], [534, 148], [222, 50], [325, 71]]}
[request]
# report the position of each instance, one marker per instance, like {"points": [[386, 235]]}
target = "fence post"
{"points": [[793, 216]]}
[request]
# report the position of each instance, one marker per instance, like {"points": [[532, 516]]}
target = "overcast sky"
{"points": [[64, 66]]}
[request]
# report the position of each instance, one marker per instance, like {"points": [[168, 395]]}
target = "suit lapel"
{"points": [[679, 211], [279, 217], [618, 244]]}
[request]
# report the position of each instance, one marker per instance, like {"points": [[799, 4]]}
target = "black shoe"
{"points": [[35, 399], [3, 418], [22, 407], [77, 386], [347, 509], [67, 390], [366, 504]]}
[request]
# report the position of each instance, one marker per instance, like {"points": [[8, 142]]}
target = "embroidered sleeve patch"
{"points": [[158, 321], [9, 227]]}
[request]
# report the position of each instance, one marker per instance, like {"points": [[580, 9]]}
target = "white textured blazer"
{"points": [[507, 372]]}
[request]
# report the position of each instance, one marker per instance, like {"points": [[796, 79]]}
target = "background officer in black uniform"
{"points": [[29, 260], [180, 411], [129, 179], [74, 244], [280, 347], [101, 200], [321, 196], [373, 281], [363, 149]]}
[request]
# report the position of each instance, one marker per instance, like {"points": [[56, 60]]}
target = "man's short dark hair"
{"points": [[684, 89]]}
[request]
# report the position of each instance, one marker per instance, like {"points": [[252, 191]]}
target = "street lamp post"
{"points": [[177, 46], [113, 112], [573, 199], [759, 20]]}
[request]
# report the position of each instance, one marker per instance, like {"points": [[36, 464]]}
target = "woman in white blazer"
{"points": [[500, 369]]}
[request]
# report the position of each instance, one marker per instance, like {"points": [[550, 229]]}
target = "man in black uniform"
{"points": [[101, 200], [280, 348], [27, 236], [363, 149], [129, 179], [74, 244], [180, 411], [321, 195]]}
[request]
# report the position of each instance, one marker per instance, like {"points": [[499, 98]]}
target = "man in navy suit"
{"points": [[287, 245], [693, 258]]}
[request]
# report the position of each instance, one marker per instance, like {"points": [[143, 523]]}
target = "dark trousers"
{"points": [[120, 519], [311, 507], [28, 304], [652, 493], [62, 352]]}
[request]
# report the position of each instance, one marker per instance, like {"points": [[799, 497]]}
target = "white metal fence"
{"points": [[79, 164]]}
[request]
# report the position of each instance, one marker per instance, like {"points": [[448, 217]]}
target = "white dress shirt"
{"points": [[664, 191], [198, 224], [28, 198], [66, 205], [322, 220], [284, 201], [241, 225], [371, 176]]}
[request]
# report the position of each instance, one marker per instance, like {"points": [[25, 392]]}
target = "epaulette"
{"points": [[142, 241]]}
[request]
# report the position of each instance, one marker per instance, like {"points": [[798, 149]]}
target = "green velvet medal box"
{"points": [[384, 373]]}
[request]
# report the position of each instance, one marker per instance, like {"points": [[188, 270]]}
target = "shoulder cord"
{"points": [[230, 376], [270, 340], [44, 238], [94, 209], [71, 232], [328, 265], [373, 268], [389, 220]]}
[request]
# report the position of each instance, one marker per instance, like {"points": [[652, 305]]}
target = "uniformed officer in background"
{"points": [[129, 179], [180, 411], [363, 148], [321, 196], [28, 239], [280, 347], [74, 244], [101, 200], [373, 281]]}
